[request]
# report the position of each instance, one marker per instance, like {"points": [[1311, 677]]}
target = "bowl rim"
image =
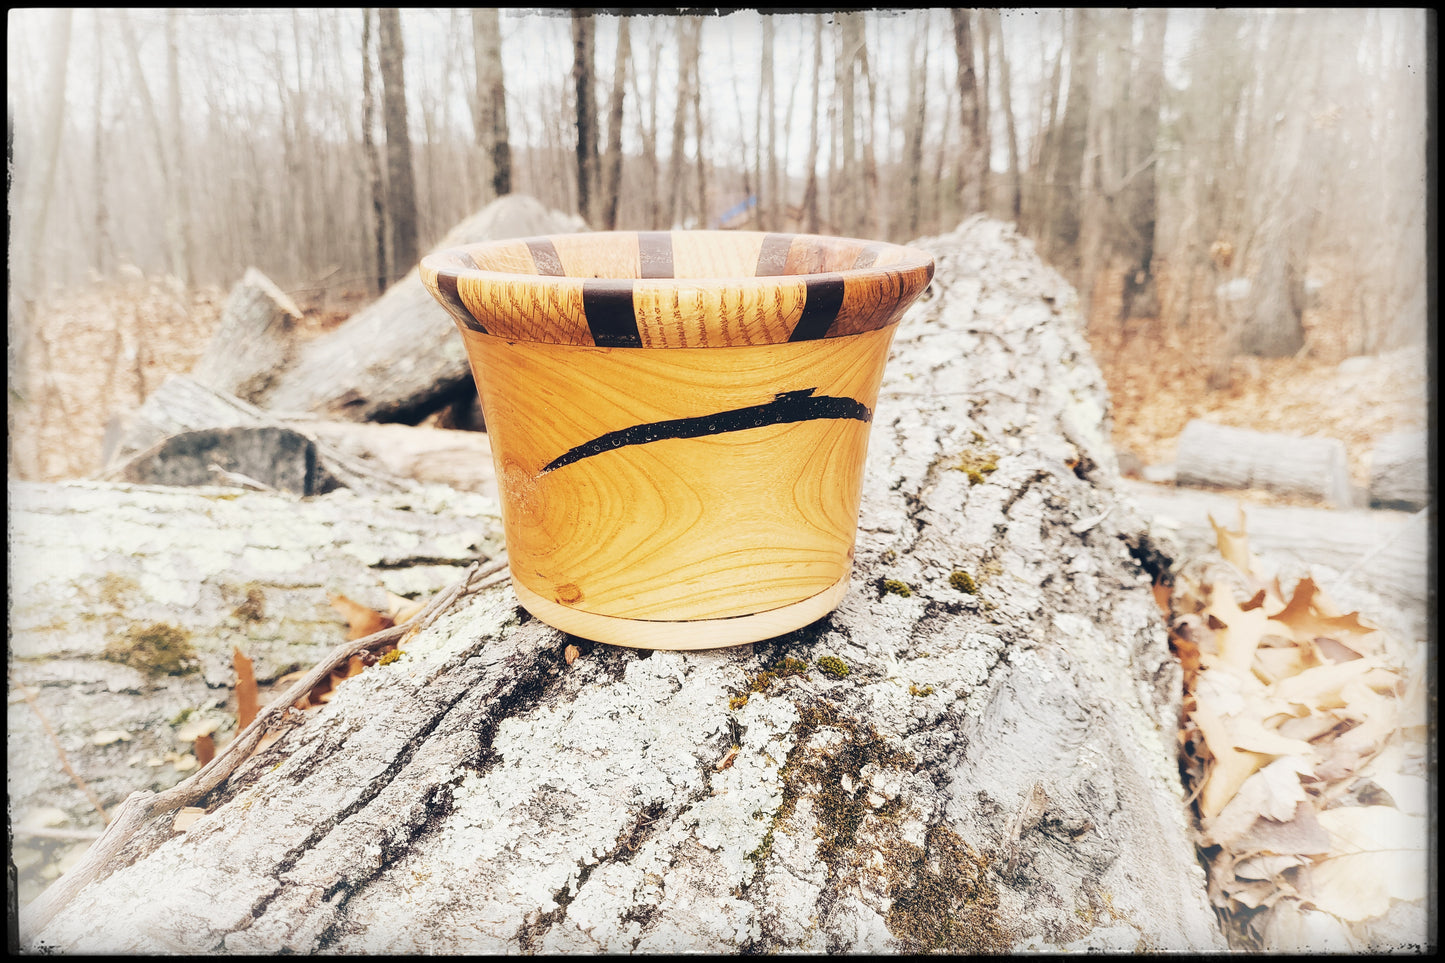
{"points": [[443, 261]]}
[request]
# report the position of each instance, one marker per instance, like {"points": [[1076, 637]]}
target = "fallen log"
{"points": [[400, 357], [1400, 471], [127, 602], [255, 341], [1219, 456], [974, 753]]}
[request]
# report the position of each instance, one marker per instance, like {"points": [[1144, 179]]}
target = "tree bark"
{"points": [[985, 763], [612, 163], [400, 181]]}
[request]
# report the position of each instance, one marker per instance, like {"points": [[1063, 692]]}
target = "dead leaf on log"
{"points": [[570, 654], [205, 749], [246, 695], [362, 621]]}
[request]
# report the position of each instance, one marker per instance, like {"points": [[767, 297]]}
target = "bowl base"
{"points": [[683, 634]]}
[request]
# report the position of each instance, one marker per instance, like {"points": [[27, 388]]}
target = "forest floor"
{"points": [[99, 351]]}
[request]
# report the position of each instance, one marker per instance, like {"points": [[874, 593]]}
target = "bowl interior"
{"points": [[677, 288]]}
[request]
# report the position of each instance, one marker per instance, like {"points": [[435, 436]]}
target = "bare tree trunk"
{"points": [[810, 187], [846, 191], [647, 129], [698, 125], [612, 163], [679, 123], [776, 203], [1005, 85], [970, 116], [100, 243], [179, 207], [1139, 192], [1066, 197], [174, 242], [583, 39], [27, 288], [985, 109], [373, 158], [400, 182], [491, 99], [873, 210], [913, 133]]}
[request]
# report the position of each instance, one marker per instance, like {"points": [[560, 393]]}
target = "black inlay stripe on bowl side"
{"points": [[773, 258], [544, 255], [820, 307], [610, 314], [447, 285], [654, 252]]}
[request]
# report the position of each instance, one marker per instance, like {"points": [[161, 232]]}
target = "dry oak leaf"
{"points": [[1234, 543], [1240, 633], [246, 695], [1377, 855], [362, 621], [1292, 928], [1273, 792], [1309, 615], [1231, 766]]}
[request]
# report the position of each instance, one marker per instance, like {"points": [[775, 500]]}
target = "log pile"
{"points": [[975, 753]]}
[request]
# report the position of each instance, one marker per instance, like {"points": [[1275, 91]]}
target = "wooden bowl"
{"points": [[679, 420]]}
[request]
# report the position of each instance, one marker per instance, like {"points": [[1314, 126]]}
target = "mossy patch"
{"points": [[114, 588], [892, 586], [976, 465], [914, 689], [962, 581], [782, 669], [253, 608], [387, 658], [834, 666], [156, 647], [940, 900], [737, 702]]}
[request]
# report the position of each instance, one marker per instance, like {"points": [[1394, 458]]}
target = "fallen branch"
{"points": [[80, 783], [141, 807]]}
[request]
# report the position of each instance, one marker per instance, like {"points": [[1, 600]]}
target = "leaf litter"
{"points": [[1304, 751]]}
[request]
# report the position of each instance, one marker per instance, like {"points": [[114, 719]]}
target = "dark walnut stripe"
{"points": [[786, 406], [544, 255], [820, 307], [654, 252], [447, 286], [773, 257], [610, 314]]}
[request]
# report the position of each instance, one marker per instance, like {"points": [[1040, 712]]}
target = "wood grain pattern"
{"points": [[679, 420], [682, 528]]}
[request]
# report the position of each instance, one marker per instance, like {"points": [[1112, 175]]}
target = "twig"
{"points": [[141, 807], [64, 759]]}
